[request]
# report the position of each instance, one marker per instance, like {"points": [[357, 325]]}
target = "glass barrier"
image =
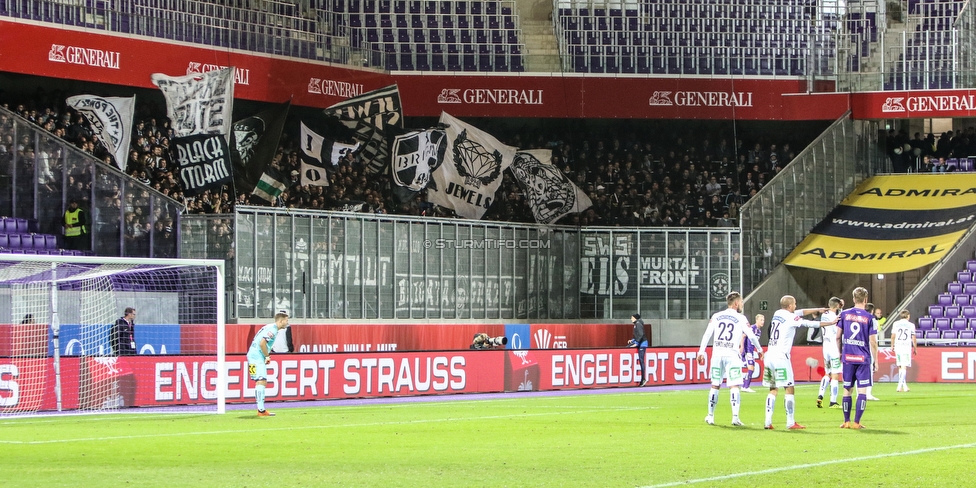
{"points": [[40, 175]]}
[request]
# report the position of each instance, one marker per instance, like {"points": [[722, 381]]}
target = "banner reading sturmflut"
{"points": [[548, 192], [203, 161], [891, 224], [472, 170], [111, 117], [370, 115], [199, 103]]}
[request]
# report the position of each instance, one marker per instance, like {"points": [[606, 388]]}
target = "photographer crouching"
{"points": [[484, 342]]}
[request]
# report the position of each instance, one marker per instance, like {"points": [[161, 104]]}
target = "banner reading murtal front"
{"points": [[891, 224]]}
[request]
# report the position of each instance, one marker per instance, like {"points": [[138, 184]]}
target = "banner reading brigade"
{"points": [[891, 224]]}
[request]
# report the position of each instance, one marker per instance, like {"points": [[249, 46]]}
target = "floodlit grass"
{"points": [[633, 438]]}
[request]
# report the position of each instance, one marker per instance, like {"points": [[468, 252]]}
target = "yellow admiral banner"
{"points": [[891, 224]]}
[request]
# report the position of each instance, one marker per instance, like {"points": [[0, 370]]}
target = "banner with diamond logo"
{"points": [[472, 170]]}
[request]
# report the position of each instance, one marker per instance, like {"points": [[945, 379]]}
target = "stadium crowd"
{"points": [[666, 179]]}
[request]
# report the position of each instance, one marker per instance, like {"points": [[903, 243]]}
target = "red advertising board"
{"points": [[27, 384], [913, 104], [309, 338], [80, 54], [930, 365]]}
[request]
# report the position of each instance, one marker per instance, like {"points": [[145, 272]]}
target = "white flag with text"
{"points": [[111, 117], [472, 169]]}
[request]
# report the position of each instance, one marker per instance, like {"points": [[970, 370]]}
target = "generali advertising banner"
{"points": [[913, 104], [28, 383], [125, 60], [608, 97], [130, 61]]}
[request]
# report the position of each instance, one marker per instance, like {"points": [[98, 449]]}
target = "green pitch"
{"points": [[637, 437]]}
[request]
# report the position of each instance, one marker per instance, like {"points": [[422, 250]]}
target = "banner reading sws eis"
{"points": [[891, 224]]}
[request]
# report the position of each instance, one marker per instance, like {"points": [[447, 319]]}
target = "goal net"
{"points": [[66, 346]]}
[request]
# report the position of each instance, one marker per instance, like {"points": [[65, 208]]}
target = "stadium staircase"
{"points": [[943, 305]]}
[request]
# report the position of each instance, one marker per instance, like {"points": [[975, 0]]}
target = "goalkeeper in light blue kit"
{"points": [[259, 356]]}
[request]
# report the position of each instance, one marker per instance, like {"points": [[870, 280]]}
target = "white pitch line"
{"points": [[812, 465], [372, 424]]}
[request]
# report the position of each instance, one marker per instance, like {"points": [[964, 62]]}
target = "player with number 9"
{"points": [[859, 356]]}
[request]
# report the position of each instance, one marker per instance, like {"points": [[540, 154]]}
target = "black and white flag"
{"points": [[548, 191], [254, 144], [414, 155], [199, 103], [472, 170], [319, 155], [111, 117], [203, 162], [370, 115]]}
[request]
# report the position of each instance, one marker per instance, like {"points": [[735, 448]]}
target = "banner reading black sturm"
{"points": [[891, 224]]}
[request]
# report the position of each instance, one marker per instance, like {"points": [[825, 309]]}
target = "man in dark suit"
{"points": [[123, 334]]}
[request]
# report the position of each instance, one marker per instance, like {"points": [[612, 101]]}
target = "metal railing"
{"points": [[352, 266], [41, 173], [784, 212]]}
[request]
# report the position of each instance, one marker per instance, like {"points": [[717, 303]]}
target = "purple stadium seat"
{"points": [[14, 241], [963, 300], [969, 288], [933, 334], [22, 226], [951, 312], [972, 324], [950, 334], [4, 241], [945, 299], [971, 266], [919, 334], [964, 277], [969, 311], [936, 311], [926, 323], [959, 323], [966, 337], [942, 323], [955, 288]]}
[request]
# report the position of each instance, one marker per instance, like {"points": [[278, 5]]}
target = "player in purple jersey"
{"points": [[749, 353], [859, 355]]}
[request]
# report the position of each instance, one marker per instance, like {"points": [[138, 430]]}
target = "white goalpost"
{"points": [[61, 351]]}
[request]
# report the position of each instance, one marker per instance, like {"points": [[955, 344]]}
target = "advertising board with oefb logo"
{"points": [[891, 224]]}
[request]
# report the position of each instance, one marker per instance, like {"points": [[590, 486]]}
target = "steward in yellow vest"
{"points": [[75, 228]]}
